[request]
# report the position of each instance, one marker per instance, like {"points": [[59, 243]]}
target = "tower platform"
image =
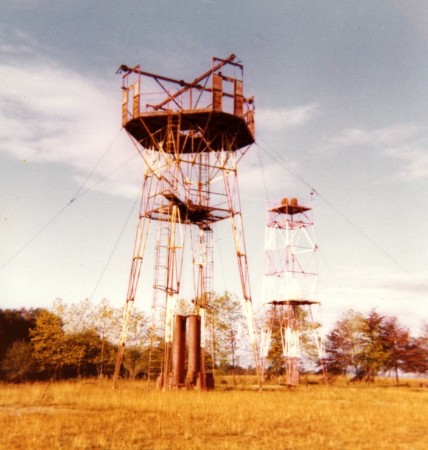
{"points": [[196, 129]]}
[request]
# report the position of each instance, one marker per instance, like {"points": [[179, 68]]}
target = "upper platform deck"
{"points": [[197, 129], [290, 207], [293, 302], [207, 114]]}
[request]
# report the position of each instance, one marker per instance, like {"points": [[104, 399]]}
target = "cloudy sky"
{"points": [[341, 93]]}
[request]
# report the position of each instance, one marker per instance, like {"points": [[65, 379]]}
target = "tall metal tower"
{"points": [[191, 136], [290, 282]]}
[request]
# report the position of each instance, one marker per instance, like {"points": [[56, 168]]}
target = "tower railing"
{"points": [[216, 91]]}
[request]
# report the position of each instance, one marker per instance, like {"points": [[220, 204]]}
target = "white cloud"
{"points": [[49, 111], [389, 292], [404, 143], [378, 279], [274, 120], [15, 44], [395, 135], [49, 114], [414, 159]]}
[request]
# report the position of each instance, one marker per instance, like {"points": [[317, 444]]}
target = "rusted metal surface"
{"points": [[194, 354], [217, 93], [290, 207], [178, 352], [188, 88], [200, 108], [294, 302], [189, 134]]}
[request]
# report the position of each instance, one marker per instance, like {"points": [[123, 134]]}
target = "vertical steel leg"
{"points": [[234, 202]]}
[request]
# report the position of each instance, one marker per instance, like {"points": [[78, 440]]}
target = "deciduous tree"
{"points": [[345, 344], [374, 344], [15, 326], [18, 364], [226, 322], [49, 343], [395, 340]]}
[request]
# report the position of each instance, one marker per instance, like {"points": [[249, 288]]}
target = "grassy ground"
{"points": [[91, 415]]}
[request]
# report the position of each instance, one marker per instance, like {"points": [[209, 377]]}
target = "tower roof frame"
{"points": [[211, 108]]}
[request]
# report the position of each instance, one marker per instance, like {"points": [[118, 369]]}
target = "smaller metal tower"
{"points": [[290, 282]]}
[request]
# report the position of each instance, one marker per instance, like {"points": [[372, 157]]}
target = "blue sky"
{"points": [[341, 97]]}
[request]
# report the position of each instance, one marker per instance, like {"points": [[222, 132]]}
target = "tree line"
{"points": [[364, 346], [80, 341], [64, 342]]}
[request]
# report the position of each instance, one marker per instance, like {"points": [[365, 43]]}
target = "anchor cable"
{"points": [[79, 193], [278, 158]]}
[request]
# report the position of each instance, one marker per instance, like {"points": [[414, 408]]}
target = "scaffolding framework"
{"points": [[191, 137], [290, 283]]}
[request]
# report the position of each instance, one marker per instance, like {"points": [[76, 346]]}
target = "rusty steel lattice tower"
{"points": [[290, 283], [191, 136]]}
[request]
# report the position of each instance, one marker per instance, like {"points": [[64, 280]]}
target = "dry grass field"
{"points": [[91, 415]]}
